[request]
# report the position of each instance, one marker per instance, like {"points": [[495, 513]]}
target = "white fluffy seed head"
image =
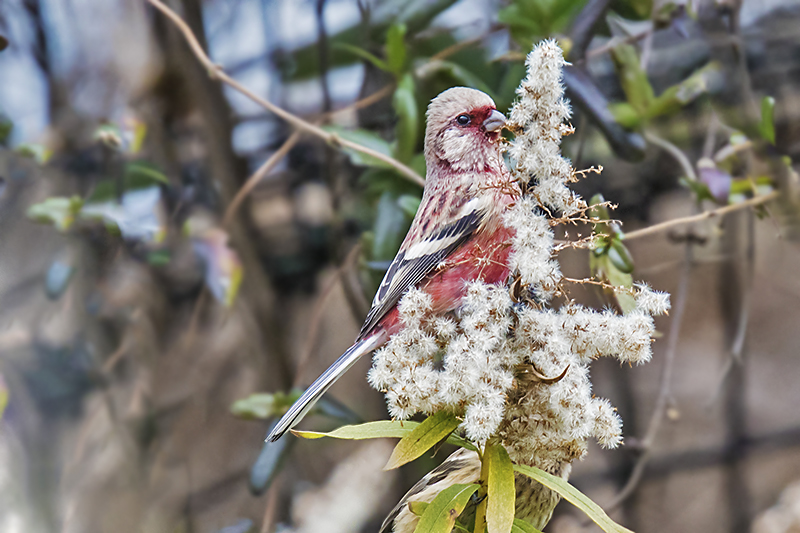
{"points": [[483, 364]]}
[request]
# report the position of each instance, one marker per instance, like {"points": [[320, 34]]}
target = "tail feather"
{"points": [[303, 405]]}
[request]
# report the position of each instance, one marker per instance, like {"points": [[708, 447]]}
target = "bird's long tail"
{"points": [[303, 405]]}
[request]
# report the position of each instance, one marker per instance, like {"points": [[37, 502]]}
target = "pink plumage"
{"points": [[457, 235]]}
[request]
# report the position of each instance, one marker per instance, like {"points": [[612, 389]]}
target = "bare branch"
{"points": [[216, 71], [666, 379], [719, 212], [258, 175]]}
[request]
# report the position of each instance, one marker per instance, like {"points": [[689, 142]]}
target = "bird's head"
{"points": [[463, 127]]}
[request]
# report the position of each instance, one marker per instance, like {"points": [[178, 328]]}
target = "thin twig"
{"points": [[258, 175], [216, 72], [719, 212], [270, 509], [614, 42], [675, 152], [682, 295], [284, 149]]}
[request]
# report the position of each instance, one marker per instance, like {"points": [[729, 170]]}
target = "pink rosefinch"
{"points": [[457, 235]]}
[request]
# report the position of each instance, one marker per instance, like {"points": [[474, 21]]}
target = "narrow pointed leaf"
{"points": [[501, 494], [440, 515], [363, 54], [521, 526], [632, 78], [573, 496], [417, 508], [396, 49], [767, 125], [405, 106], [380, 429], [365, 138], [433, 430]]}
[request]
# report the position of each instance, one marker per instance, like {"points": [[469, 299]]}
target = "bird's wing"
{"points": [[420, 258], [462, 466]]}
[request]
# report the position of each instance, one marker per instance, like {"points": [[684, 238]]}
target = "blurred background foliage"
{"points": [[154, 318]]}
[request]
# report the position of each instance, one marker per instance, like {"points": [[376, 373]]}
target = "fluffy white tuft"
{"points": [[498, 364]]}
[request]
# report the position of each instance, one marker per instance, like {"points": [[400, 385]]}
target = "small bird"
{"points": [[534, 502], [457, 235]]}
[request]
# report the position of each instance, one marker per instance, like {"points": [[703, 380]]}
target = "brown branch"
{"points": [[216, 72], [675, 152], [660, 408], [719, 212], [614, 42], [258, 175], [279, 154]]}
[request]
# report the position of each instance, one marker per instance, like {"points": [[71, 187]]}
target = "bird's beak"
{"points": [[495, 121]]}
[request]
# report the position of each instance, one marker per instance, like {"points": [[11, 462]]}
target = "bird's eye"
{"points": [[463, 120]]}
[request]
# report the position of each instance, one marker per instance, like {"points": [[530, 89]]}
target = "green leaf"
{"points": [[364, 138], [261, 405], [620, 257], [379, 429], [676, 97], [409, 204], [573, 496], [599, 209], [417, 508], [6, 127], [407, 129], [430, 432], [141, 174], [456, 73], [531, 20], [396, 49], [390, 228], [521, 526], [159, 257], [625, 114], [440, 515], [501, 495], [603, 268], [38, 152], [58, 211], [767, 126], [633, 79], [363, 54]]}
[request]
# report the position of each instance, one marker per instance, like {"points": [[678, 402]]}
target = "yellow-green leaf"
{"points": [[396, 48], [440, 515], [433, 430], [573, 496], [380, 429], [501, 495], [632, 78], [417, 508], [58, 211], [767, 125], [521, 526]]}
